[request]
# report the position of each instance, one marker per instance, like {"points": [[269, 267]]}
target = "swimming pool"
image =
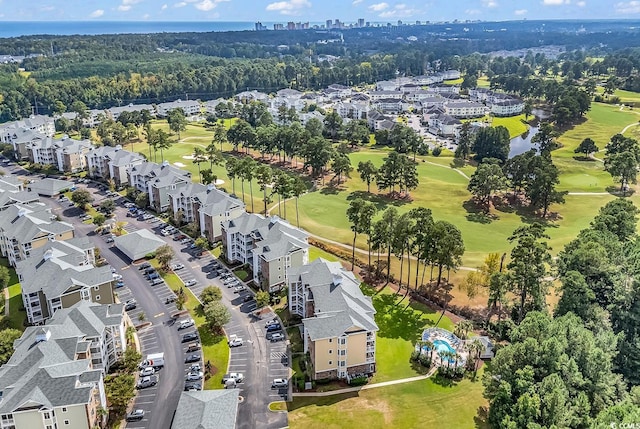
{"points": [[443, 346]]}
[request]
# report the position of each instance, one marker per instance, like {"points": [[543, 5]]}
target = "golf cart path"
{"points": [[368, 386]]}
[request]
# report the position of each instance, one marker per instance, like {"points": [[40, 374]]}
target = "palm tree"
{"points": [[214, 156], [475, 348], [149, 135], [162, 141], [430, 346], [298, 188], [250, 166], [463, 328], [199, 156]]}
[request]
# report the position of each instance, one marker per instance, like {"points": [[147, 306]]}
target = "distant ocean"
{"points": [[27, 28]]}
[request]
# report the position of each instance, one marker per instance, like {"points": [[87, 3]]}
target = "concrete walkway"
{"points": [[6, 301], [367, 386]]}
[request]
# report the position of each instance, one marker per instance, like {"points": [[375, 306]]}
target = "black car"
{"points": [[248, 298], [130, 305], [191, 336], [154, 275], [194, 357], [144, 266], [149, 270], [192, 385]]}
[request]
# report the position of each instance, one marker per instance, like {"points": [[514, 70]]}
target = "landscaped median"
{"points": [[215, 350]]}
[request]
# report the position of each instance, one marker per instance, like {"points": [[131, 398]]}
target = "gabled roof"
{"points": [[339, 304], [24, 222], [65, 263], [138, 244], [207, 409], [49, 186]]}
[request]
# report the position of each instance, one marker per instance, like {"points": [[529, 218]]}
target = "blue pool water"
{"points": [[443, 346]]}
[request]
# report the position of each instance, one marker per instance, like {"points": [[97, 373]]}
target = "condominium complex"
{"points": [[71, 264], [339, 329], [270, 246]]}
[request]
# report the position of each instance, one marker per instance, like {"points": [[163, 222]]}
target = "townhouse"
{"points": [[77, 279], [55, 377], [189, 107], [107, 162], [26, 227], [270, 246], [443, 124], [339, 328], [157, 180]]}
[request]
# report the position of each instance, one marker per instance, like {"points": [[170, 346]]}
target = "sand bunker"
{"points": [[179, 164]]}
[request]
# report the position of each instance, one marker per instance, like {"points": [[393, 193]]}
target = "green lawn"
{"points": [[420, 404], [400, 327], [214, 347], [16, 317], [316, 252], [515, 124]]}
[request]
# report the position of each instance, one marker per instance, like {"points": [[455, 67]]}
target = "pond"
{"points": [[522, 143]]}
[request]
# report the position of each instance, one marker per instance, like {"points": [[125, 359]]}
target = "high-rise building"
{"points": [[260, 27], [329, 24], [361, 22]]}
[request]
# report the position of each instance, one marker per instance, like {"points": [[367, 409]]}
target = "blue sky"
{"points": [[314, 10]]}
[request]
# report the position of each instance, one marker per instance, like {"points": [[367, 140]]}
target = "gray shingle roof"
{"points": [[24, 222], [207, 409], [63, 265], [339, 304], [49, 186], [138, 244]]}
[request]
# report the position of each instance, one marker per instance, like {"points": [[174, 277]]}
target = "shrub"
{"points": [[424, 360], [150, 255], [436, 151], [415, 355], [359, 381]]}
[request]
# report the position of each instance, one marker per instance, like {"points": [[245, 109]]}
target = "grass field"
{"points": [[400, 327], [428, 403], [16, 317]]}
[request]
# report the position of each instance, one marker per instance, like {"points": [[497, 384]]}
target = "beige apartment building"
{"points": [[339, 328]]}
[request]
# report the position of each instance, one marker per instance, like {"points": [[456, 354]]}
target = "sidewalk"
{"points": [[367, 386]]}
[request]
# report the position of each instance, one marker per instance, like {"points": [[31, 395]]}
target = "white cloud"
{"points": [[180, 4], [164, 6], [146, 16], [489, 3], [379, 7], [473, 12], [630, 7], [520, 12], [290, 7], [399, 11], [355, 2], [581, 3], [555, 2], [124, 7], [46, 8], [205, 5], [96, 13]]}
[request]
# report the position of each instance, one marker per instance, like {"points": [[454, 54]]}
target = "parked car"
{"points": [[119, 284], [186, 324], [278, 383], [195, 367], [109, 240], [176, 267], [130, 304], [194, 357], [157, 281], [239, 289], [190, 282], [179, 237], [273, 321], [235, 376], [274, 327], [236, 342], [145, 382], [194, 376], [248, 298], [153, 276], [147, 371], [191, 336], [276, 337], [135, 415], [192, 386], [185, 241], [193, 347]]}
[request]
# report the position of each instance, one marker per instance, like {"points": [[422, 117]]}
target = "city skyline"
{"points": [[316, 11]]}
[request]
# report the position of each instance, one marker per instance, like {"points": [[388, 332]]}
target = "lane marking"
{"points": [[159, 314]]}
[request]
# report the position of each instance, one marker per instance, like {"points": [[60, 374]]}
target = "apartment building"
{"points": [[353, 110], [21, 139], [115, 112], [207, 206], [37, 123], [507, 107], [26, 227], [55, 377], [339, 328], [270, 246], [189, 107], [380, 95], [107, 162], [12, 191], [61, 274], [465, 109], [157, 180]]}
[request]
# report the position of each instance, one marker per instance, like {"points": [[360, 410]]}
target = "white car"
{"points": [[190, 282], [194, 376], [236, 342], [185, 241], [239, 289], [176, 267], [147, 371], [186, 324], [278, 383], [235, 376]]}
